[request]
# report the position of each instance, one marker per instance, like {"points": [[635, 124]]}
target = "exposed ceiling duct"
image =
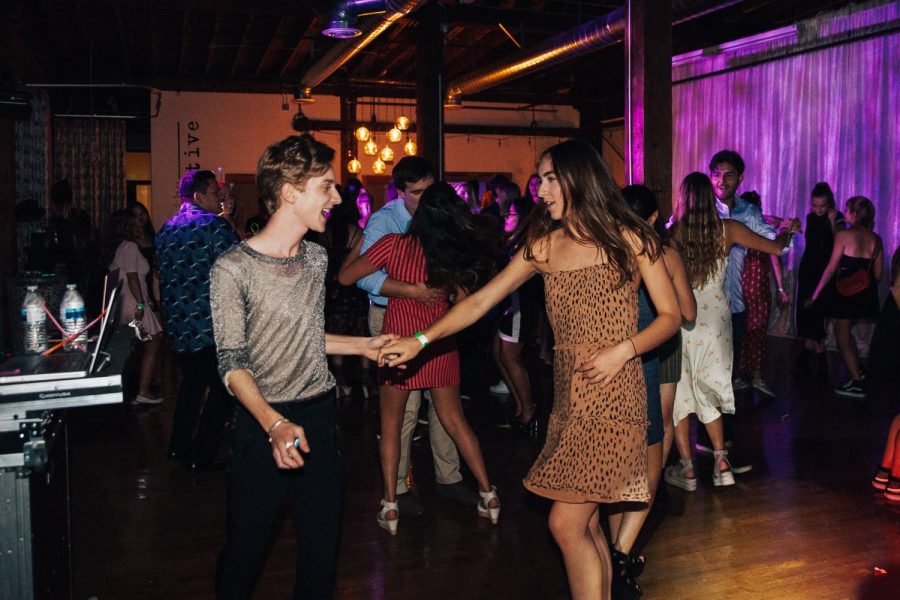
{"points": [[335, 58], [584, 39]]}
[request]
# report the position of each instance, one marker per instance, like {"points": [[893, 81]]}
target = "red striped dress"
{"points": [[437, 365]]}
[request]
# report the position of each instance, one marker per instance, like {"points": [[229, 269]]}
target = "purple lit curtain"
{"points": [[90, 153], [828, 114]]}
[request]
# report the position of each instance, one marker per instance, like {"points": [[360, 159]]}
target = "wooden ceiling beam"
{"points": [[123, 40], [302, 52], [243, 48]]}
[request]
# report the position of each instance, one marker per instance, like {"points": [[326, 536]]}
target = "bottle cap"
{"points": [[71, 286], [31, 288]]}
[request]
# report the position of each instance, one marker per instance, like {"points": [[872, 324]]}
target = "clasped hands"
{"points": [[791, 225]]}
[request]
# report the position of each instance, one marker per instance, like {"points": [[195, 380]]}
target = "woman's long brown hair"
{"points": [[698, 230], [594, 211]]}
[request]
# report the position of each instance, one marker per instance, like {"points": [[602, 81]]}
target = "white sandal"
{"points": [[722, 478], [389, 525], [484, 508]]}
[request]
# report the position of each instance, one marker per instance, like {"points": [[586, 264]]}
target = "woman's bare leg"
{"points": [[148, 366], [892, 448], [392, 402], [520, 385], [504, 374], [716, 432], [630, 522], [587, 560], [449, 410], [844, 337], [667, 400]]}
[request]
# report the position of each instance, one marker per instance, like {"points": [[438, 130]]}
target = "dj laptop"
{"points": [[62, 365]]}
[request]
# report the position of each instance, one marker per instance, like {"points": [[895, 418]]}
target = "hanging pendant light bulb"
{"points": [[402, 123], [387, 155], [354, 166], [410, 148], [394, 134], [378, 166], [371, 147], [362, 133]]}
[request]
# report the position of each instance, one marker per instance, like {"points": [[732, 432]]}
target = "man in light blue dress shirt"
{"points": [[726, 171], [411, 175]]}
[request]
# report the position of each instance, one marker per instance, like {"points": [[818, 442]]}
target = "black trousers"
{"points": [[199, 372], [258, 490]]}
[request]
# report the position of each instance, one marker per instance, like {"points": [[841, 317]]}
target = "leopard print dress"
{"points": [[596, 448]]}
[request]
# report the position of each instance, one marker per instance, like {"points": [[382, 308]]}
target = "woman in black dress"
{"points": [[821, 226], [346, 307], [856, 259]]}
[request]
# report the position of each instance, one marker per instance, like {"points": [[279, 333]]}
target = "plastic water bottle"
{"points": [[35, 322], [71, 314]]}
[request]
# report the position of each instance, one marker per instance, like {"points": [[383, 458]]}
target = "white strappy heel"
{"points": [[485, 510], [389, 525]]}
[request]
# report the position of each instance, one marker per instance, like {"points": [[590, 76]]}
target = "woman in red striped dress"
{"points": [[445, 247]]}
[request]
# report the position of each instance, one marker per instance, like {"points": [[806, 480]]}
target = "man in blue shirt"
{"points": [[411, 175], [186, 248], [726, 171]]}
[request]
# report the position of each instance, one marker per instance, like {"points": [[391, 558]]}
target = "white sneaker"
{"points": [[499, 388], [676, 475]]}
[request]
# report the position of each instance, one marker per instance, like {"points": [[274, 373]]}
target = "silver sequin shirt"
{"points": [[269, 318]]}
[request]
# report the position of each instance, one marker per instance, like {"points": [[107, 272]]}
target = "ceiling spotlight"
{"points": [[378, 166], [402, 123], [387, 155], [354, 166], [303, 96], [410, 148], [342, 24], [452, 101], [394, 135]]}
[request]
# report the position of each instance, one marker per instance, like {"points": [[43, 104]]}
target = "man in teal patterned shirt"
{"points": [[186, 248]]}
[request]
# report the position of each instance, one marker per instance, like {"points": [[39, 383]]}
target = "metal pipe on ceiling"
{"points": [[338, 56], [598, 33]]}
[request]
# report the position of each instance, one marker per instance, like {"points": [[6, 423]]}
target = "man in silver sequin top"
{"points": [[268, 297]]}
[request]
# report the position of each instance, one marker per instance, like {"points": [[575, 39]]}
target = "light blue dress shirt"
{"points": [[750, 215], [390, 218]]}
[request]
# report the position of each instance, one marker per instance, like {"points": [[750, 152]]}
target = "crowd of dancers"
{"points": [[650, 323]]}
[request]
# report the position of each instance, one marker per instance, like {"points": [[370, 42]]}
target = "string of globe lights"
{"points": [[385, 154]]}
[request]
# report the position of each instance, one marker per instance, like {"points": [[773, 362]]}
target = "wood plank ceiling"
{"points": [[267, 45]]}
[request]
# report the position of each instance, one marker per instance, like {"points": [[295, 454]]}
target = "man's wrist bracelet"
{"points": [[422, 339], [275, 425]]}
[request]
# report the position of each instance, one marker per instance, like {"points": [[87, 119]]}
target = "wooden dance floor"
{"points": [[803, 524]]}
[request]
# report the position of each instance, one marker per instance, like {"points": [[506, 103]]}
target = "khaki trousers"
{"points": [[443, 450]]}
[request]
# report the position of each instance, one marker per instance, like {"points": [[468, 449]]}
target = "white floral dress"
{"points": [[705, 386]]}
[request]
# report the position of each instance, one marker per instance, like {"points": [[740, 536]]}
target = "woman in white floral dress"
{"points": [[704, 240]]}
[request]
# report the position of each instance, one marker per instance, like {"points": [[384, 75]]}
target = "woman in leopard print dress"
{"points": [[593, 253]]}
